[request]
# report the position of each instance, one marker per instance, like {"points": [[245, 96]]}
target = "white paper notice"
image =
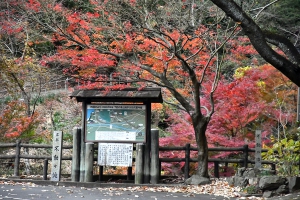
{"points": [[115, 154]]}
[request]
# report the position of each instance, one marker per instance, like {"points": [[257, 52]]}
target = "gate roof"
{"points": [[152, 95]]}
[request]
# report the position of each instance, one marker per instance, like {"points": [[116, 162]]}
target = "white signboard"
{"points": [[258, 149], [56, 156], [115, 154]]}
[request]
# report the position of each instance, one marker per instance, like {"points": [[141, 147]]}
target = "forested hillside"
{"points": [[226, 68]]}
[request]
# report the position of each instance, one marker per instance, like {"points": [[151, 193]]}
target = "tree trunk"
{"points": [[202, 146], [201, 177]]}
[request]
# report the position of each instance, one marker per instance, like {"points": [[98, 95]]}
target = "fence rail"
{"points": [[244, 161]]}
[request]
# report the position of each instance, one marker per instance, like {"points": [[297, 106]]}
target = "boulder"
{"points": [[283, 189], [271, 182], [197, 180], [240, 181], [268, 194], [253, 181], [250, 172], [294, 183], [240, 171]]}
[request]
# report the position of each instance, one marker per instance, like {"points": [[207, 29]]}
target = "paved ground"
{"points": [[40, 190], [27, 192]]}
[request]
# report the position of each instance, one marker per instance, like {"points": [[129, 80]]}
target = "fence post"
{"points": [[154, 170], [216, 169], [17, 159], [75, 174], [139, 164], [129, 173], [246, 153], [101, 173], [45, 170], [89, 162], [187, 161]]}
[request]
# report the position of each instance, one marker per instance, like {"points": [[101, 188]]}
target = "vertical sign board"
{"points": [[258, 149], [56, 156], [115, 154]]}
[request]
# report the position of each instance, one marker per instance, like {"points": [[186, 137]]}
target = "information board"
{"points": [[115, 154], [116, 123]]}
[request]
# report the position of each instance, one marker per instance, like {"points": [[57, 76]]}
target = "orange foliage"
{"points": [[14, 121]]}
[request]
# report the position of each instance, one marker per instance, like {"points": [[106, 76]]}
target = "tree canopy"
{"points": [[185, 47]]}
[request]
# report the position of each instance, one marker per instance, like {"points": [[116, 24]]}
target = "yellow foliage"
{"points": [[261, 84], [240, 72]]}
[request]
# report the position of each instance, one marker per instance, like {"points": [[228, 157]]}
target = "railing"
{"points": [[50, 87], [17, 156], [244, 161]]}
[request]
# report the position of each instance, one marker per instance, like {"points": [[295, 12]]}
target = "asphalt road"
{"points": [[26, 192]]}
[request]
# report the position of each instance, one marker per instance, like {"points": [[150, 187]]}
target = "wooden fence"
{"points": [[17, 156], [243, 161]]}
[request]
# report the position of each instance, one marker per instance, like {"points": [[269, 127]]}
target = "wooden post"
{"points": [[17, 159], [159, 169], [246, 153], [147, 148], [75, 174], [139, 164], [187, 161], [101, 173], [82, 144], [129, 173], [154, 172], [298, 106], [45, 170], [216, 169], [89, 161]]}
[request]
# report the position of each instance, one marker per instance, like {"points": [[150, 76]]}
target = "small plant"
{"points": [[285, 153], [251, 189]]}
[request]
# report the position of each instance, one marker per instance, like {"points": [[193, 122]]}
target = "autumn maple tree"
{"points": [[177, 45]]}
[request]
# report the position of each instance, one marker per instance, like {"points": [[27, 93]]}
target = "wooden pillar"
{"points": [[139, 164], [82, 144], [187, 161], [154, 174], [45, 170], [75, 174], [246, 153], [101, 178], [129, 173], [216, 169], [89, 162], [147, 148], [17, 159]]}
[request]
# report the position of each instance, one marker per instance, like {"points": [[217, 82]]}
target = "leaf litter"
{"points": [[218, 187]]}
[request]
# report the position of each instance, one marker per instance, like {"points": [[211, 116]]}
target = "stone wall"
{"points": [[264, 182]]}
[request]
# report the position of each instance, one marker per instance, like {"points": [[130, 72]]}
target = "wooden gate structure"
{"points": [[127, 96]]}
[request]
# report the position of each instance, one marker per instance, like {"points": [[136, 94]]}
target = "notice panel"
{"points": [[115, 154], [116, 123]]}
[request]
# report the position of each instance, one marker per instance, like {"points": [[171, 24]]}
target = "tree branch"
{"points": [[258, 40]]}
